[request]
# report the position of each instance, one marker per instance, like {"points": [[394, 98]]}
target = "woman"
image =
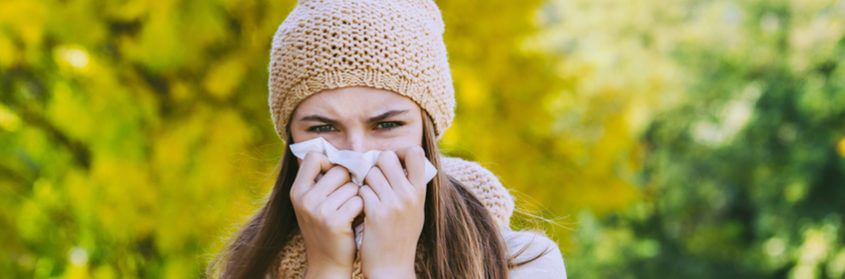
{"points": [[373, 75]]}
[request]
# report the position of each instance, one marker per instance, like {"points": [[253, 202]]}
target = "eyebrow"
{"points": [[380, 117], [315, 117], [386, 114]]}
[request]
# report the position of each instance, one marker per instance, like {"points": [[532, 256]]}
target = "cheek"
{"points": [[417, 134], [411, 136], [295, 133]]}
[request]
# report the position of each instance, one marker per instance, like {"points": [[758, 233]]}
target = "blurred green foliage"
{"points": [[694, 139]]}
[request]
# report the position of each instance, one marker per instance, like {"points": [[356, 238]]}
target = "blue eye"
{"points": [[321, 129], [389, 125]]}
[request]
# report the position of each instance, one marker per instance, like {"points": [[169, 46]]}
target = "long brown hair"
{"points": [[459, 238]]}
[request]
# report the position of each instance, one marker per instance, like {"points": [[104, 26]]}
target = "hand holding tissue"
{"points": [[358, 164]]}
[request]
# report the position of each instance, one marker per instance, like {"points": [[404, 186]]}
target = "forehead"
{"points": [[354, 101]]}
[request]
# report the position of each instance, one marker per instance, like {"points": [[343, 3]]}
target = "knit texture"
{"points": [[484, 185], [478, 180], [388, 44]]}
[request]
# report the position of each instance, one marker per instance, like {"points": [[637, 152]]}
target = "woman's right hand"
{"points": [[324, 211]]}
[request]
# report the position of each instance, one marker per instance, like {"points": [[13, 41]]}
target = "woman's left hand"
{"points": [[394, 208]]}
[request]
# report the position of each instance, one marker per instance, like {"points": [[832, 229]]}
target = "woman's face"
{"points": [[359, 119]]}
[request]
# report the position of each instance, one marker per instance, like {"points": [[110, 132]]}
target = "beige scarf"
{"points": [[478, 180]]}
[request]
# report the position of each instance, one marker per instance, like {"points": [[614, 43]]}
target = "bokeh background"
{"points": [[659, 139]]}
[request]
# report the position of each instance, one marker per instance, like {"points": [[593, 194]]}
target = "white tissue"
{"points": [[357, 163]]}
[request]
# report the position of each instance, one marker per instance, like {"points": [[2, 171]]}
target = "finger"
{"points": [[392, 170], [378, 183], [351, 208], [311, 166], [341, 195], [336, 176], [414, 158], [370, 199], [325, 164]]}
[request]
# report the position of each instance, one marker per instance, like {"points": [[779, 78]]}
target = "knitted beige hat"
{"points": [[395, 45]]}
